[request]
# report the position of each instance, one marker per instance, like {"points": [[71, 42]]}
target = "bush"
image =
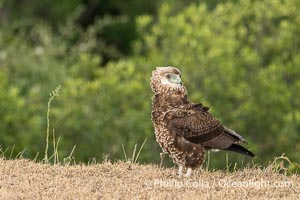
{"points": [[240, 58]]}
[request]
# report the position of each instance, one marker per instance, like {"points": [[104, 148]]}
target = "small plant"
{"points": [[68, 159], [134, 157], [54, 156], [284, 165], [52, 95], [208, 161], [227, 163], [55, 147]]}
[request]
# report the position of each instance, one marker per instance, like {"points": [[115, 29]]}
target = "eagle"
{"points": [[183, 129]]}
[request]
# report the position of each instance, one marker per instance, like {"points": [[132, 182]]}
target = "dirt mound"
{"points": [[23, 179]]}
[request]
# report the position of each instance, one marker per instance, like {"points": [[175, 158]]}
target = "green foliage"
{"points": [[112, 22], [11, 102], [111, 110], [240, 58], [243, 59]]}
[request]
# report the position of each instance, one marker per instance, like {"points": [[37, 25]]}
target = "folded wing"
{"points": [[198, 126]]}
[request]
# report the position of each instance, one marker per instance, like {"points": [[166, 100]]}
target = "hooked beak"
{"points": [[178, 80], [175, 79]]}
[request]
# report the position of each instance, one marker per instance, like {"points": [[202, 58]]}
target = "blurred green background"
{"points": [[241, 58]]}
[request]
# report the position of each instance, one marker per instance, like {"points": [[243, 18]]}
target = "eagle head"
{"points": [[166, 80]]}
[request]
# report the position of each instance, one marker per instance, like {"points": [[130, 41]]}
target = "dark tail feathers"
{"points": [[240, 149]]}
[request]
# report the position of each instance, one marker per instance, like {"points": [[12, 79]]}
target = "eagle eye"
{"points": [[168, 76]]}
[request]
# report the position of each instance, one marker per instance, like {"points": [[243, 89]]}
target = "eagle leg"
{"points": [[180, 171], [188, 173], [162, 155]]}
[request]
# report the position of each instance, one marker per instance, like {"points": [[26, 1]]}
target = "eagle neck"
{"points": [[163, 103]]}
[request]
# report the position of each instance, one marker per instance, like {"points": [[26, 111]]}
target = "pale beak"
{"points": [[175, 79], [178, 80]]}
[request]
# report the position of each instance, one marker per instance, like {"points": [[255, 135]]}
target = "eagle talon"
{"points": [[188, 173]]}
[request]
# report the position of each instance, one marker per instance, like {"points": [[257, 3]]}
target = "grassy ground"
{"points": [[23, 179]]}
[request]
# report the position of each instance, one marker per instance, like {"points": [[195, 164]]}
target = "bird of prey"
{"points": [[184, 129]]}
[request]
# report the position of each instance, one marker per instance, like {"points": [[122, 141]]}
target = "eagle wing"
{"points": [[198, 126]]}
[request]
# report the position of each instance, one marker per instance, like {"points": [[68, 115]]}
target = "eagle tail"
{"points": [[240, 149]]}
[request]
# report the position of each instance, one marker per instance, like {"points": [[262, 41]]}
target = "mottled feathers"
{"points": [[185, 129]]}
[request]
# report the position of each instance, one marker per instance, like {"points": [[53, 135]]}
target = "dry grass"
{"points": [[24, 179]]}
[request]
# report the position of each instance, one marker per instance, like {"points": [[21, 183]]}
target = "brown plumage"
{"points": [[184, 129]]}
